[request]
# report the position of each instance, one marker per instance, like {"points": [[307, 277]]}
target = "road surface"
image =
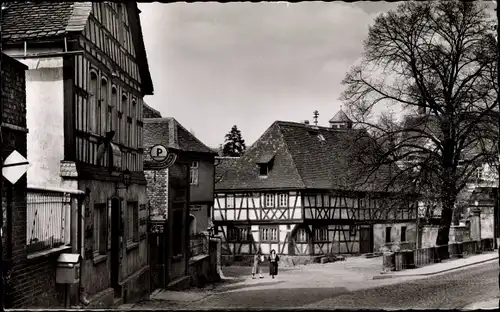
{"points": [[313, 288]]}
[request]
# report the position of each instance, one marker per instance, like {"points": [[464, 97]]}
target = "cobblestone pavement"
{"points": [[341, 285]]}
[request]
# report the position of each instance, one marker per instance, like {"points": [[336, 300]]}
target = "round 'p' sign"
{"points": [[158, 153]]}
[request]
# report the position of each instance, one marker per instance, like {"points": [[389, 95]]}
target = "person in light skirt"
{"points": [[258, 258]]}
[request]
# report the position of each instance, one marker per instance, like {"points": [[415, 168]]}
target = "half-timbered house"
{"points": [[300, 189], [86, 79]]}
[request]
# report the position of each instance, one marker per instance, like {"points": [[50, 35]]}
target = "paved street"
{"points": [[347, 285]]}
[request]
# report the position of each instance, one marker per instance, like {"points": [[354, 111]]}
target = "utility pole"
{"points": [[498, 104]]}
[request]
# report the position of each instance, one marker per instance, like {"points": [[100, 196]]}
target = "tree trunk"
{"points": [[444, 230]]}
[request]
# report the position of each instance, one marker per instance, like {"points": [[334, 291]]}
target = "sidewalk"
{"points": [[441, 267], [484, 305]]}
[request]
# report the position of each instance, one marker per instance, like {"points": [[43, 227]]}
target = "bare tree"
{"points": [[438, 58]]}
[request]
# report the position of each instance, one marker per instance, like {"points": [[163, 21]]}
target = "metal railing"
{"points": [[198, 244], [48, 218]]}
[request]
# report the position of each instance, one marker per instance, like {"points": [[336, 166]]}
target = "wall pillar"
{"points": [[475, 224], [219, 256]]}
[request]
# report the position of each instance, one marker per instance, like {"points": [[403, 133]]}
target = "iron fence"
{"points": [[198, 244], [407, 259], [48, 219]]}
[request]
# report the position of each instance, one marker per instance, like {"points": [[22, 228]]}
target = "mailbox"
{"points": [[68, 269]]}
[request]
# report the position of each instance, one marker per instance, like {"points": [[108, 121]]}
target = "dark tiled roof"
{"points": [[37, 20], [24, 21], [150, 112], [306, 157], [157, 131], [224, 164]]}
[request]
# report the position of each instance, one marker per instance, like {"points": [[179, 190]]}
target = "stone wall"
{"points": [[157, 191]]}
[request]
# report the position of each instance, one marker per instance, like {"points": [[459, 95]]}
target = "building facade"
{"points": [[86, 79], [19, 272], [197, 160], [297, 190]]}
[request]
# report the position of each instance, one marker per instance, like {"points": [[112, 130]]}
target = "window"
{"points": [[479, 173], [283, 200], [193, 173], [403, 233], [321, 234], [388, 234], [352, 231], [263, 169], [269, 234], [133, 124], [238, 234], [129, 131], [178, 232], [301, 235], [92, 113], [123, 119], [269, 200], [133, 222], [100, 229], [103, 107], [230, 201], [112, 121]]}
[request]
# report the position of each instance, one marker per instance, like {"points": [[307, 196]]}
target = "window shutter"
{"points": [[108, 222]]}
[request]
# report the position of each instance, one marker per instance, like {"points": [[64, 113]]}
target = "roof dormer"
{"points": [[340, 121]]}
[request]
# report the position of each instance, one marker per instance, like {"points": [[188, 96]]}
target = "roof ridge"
{"points": [[291, 156]]}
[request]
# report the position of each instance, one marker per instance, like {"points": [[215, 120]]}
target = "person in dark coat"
{"points": [[273, 263]]}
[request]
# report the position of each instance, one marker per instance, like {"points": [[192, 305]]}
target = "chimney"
{"points": [[172, 134]]}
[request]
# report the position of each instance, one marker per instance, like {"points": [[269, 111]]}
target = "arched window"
{"points": [[134, 124], [112, 111], [123, 121], [92, 105], [103, 107]]}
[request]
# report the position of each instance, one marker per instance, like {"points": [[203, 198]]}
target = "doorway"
{"points": [[365, 239], [116, 230], [192, 225]]}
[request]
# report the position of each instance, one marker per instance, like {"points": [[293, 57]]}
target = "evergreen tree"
{"points": [[234, 145]]}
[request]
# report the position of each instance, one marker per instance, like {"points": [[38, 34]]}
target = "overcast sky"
{"points": [[215, 65]]}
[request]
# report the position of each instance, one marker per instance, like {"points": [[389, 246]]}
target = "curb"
{"points": [[385, 276]]}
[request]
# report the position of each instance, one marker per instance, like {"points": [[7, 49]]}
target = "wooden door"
{"points": [[365, 239]]}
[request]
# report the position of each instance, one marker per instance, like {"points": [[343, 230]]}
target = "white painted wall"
{"points": [[45, 120]]}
